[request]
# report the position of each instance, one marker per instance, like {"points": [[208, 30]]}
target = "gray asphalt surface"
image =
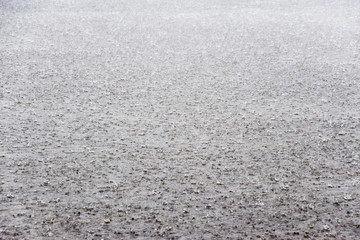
{"points": [[179, 119]]}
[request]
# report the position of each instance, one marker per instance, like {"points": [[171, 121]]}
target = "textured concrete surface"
{"points": [[179, 119]]}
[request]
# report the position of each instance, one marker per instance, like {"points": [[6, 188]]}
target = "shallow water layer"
{"points": [[179, 120]]}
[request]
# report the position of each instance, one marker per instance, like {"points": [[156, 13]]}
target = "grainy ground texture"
{"points": [[207, 119]]}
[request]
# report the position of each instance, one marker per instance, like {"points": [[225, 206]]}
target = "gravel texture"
{"points": [[207, 119]]}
